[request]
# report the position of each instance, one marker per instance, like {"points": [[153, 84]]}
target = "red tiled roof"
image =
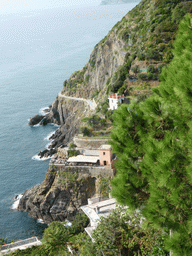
{"points": [[115, 96]]}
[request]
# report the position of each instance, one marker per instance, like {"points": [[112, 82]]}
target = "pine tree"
{"points": [[160, 133]]}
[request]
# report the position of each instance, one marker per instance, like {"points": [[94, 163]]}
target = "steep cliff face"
{"points": [[142, 38], [68, 114], [128, 60], [59, 196]]}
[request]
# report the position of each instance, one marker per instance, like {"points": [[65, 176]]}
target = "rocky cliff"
{"points": [[128, 60], [67, 114], [59, 196]]}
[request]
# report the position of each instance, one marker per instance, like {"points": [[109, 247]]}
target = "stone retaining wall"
{"points": [[89, 143], [93, 171]]}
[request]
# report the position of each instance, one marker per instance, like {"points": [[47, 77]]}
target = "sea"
{"points": [[39, 49]]}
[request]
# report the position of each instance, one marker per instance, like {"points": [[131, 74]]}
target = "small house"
{"points": [[105, 155], [114, 100]]}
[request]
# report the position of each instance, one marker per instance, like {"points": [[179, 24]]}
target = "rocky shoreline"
{"points": [[66, 114]]}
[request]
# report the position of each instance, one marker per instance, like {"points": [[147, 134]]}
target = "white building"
{"points": [[95, 210], [114, 99]]}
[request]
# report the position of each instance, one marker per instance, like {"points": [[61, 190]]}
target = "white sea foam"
{"points": [[40, 221], [37, 158], [49, 136], [47, 146], [42, 111], [16, 203], [57, 125], [36, 125]]}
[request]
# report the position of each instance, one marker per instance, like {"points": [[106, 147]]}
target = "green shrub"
{"points": [[127, 55], [85, 119], [160, 67], [168, 56], [152, 76], [72, 145], [104, 186], [95, 94], [3, 241], [127, 65], [121, 233], [143, 77], [72, 152], [102, 122], [87, 78], [79, 223], [151, 69], [85, 131], [180, 10], [166, 26], [55, 237], [119, 77], [141, 56], [135, 69], [125, 35], [109, 115], [92, 63], [103, 107], [133, 56], [94, 120], [108, 81], [122, 89], [153, 54], [162, 46]]}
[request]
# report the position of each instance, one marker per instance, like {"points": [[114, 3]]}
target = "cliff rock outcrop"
{"points": [[59, 196], [128, 60], [67, 114]]}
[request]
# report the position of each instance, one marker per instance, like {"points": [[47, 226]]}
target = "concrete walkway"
{"points": [[21, 245], [91, 103]]}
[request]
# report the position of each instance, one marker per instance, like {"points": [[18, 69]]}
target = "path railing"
{"points": [[19, 243]]}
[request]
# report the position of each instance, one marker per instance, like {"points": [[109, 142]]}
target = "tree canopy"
{"points": [[153, 143]]}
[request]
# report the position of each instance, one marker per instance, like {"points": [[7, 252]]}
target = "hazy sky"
{"points": [[9, 6]]}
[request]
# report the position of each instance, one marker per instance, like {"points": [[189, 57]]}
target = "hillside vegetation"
{"points": [[130, 58]]}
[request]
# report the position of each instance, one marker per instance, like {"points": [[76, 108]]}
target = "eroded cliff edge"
{"points": [[59, 196]]}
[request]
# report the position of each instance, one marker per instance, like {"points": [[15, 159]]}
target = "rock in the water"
{"points": [[35, 119], [47, 152], [44, 121]]}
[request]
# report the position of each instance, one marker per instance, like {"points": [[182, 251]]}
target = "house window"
{"points": [[103, 153], [105, 162]]}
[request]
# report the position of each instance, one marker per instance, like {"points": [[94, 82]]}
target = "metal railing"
{"points": [[15, 244]]}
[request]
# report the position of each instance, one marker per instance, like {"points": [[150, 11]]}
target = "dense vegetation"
{"points": [[95, 125], [122, 233], [152, 141], [56, 238]]}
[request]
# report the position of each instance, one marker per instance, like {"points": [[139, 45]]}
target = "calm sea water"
{"points": [[39, 50]]}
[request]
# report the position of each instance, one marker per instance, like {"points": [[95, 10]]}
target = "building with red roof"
{"points": [[115, 100]]}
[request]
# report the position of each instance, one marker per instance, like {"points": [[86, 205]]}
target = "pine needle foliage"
{"points": [[153, 143]]}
